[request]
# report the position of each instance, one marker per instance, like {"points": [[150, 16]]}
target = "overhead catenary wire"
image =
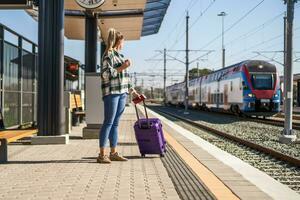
{"points": [[173, 30], [254, 30], [249, 33], [202, 13], [261, 43], [233, 25], [228, 29]]}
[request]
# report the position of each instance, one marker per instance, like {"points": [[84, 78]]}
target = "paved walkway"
{"points": [[70, 171]]}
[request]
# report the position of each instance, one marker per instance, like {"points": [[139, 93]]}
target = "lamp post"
{"points": [[223, 14]]}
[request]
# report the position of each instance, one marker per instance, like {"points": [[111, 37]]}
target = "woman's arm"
{"points": [[107, 69], [124, 66]]}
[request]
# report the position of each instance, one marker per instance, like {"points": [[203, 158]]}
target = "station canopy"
{"points": [[134, 18]]}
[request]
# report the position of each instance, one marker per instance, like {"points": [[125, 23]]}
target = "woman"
{"points": [[115, 88]]}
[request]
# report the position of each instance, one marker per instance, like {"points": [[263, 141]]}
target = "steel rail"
{"points": [[278, 155]]}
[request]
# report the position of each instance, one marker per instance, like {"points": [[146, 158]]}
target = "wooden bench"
{"points": [[76, 107], [8, 136]]}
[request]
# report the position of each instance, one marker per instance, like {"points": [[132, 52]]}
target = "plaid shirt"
{"points": [[112, 81]]}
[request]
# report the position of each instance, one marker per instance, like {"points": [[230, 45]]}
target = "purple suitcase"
{"points": [[149, 135]]}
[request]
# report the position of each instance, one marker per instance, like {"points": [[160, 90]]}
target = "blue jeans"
{"points": [[114, 106]]}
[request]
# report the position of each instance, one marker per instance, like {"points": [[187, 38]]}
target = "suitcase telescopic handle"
{"points": [[136, 101]]}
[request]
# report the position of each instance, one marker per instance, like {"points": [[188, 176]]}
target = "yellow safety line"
{"points": [[213, 183]]}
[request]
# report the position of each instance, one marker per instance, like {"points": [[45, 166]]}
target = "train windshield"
{"points": [[262, 81]]}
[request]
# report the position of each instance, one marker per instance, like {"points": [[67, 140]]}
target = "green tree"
{"points": [[194, 73]]}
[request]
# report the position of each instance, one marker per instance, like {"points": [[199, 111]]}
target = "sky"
{"points": [[251, 26]]}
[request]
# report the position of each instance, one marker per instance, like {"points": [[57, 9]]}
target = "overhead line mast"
{"points": [[288, 136]]}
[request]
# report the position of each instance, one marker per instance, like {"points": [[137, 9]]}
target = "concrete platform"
{"points": [[71, 172]]}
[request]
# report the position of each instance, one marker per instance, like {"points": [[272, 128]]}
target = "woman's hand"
{"points": [[124, 66], [128, 62], [134, 94]]}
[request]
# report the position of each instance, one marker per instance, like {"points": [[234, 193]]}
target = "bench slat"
{"points": [[79, 113], [75, 101], [13, 135]]}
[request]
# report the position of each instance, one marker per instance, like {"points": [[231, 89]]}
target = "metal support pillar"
{"points": [[284, 41], [187, 66], [152, 94], [288, 136], [223, 14], [50, 104], [165, 75], [34, 86], [298, 93], [20, 85], [135, 79], [90, 43], [94, 108], [1, 66], [223, 46], [284, 58], [198, 75], [102, 50], [3, 151]]}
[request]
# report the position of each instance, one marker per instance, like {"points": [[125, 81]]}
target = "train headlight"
{"points": [[251, 95]]}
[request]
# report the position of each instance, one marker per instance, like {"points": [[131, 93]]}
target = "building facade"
{"points": [[18, 78]]}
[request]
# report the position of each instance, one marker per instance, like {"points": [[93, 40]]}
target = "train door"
{"points": [[209, 96], [200, 91], [225, 95], [218, 94]]}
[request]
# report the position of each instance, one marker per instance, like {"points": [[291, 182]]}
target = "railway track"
{"points": [[281, 167], [295, 116], [273, 122]]}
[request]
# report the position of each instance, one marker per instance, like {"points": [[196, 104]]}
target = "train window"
{"points": [[236, 69], [231, 85], [222, 98], [240, 83], [262, 81], [245, 87]]}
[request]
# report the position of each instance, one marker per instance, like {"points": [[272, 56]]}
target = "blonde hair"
{"points": [[112, 39], [119, 37]]}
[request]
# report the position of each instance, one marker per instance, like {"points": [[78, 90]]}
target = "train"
{"points": [[251, 87]]}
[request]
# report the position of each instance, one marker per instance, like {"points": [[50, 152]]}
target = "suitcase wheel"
{"points": [[143, 155], [162, 155]]}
